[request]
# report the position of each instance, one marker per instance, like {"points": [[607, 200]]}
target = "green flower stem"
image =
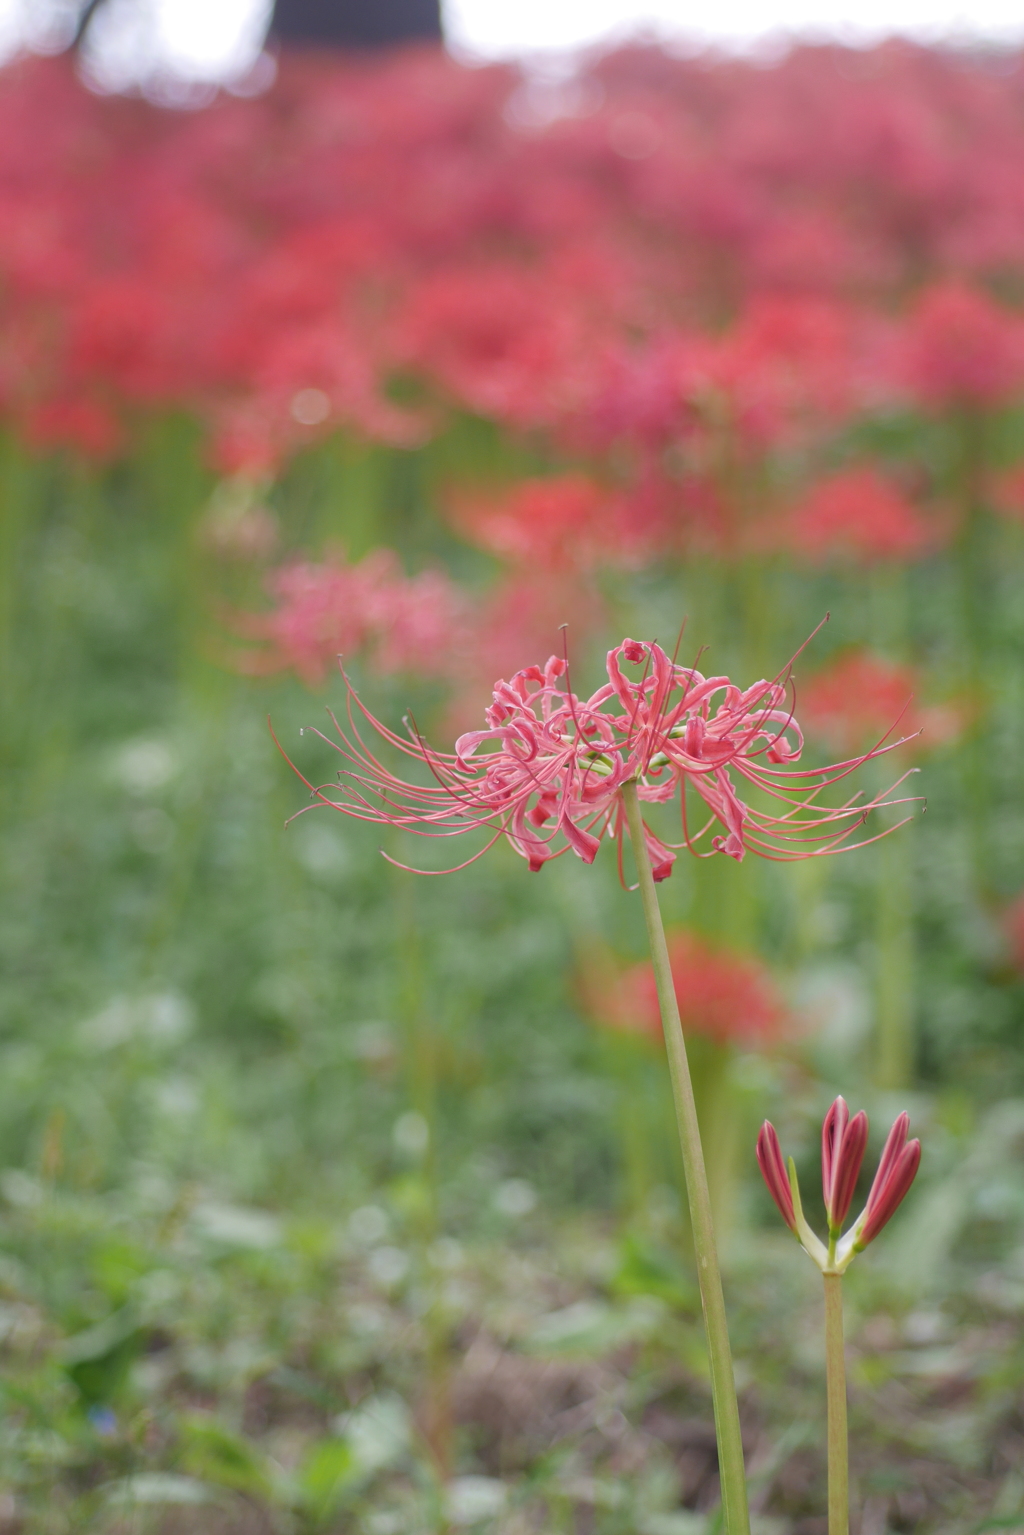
{"points": [[895, 1044], [835, 1374], [974, 564], [723, 1384]]}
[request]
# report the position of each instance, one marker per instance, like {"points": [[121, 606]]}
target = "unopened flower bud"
{"points": [[896, 1172], [843, 1144], [843, 1141], [773, 1170]]}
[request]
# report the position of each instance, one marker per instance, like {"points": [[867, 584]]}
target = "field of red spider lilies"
{"points": [[336, 1200]]}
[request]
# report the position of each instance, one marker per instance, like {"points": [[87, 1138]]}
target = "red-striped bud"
{"points": [[843, 1144], [896, 1172], [773, 1170]]}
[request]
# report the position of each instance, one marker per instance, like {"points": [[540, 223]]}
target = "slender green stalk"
{"points": [[973, 561], [895, 1044], [723, 1384], [835, 1374], [894, 902]]}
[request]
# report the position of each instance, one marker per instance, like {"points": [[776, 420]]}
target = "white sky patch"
{"points": [[208, 40], [198, 39], [484, 29]]}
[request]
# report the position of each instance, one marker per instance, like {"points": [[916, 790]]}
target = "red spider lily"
{"points": [[843, 1142], [858, 515], [408, 212], [405, 623], [858, 695], [562, 522], [507, 342], [786, 365], [548, 769], [726, 996], [961, 349]]}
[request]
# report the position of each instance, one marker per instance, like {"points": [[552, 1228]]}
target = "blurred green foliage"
{"points": [[317, 1209]]}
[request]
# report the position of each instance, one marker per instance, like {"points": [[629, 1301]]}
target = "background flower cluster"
{"points": [[331, 1200]]}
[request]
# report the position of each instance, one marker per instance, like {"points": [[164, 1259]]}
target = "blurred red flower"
{"points": [[857, 514], [400, 623], [654, 246], [960, 348], [860, 697], [1007, 494], [786, 366], [506, 341], [563, 522], [727, 996]]}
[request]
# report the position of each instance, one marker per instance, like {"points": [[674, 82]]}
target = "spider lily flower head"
{"points": [[843, 1142], [548, 769]]}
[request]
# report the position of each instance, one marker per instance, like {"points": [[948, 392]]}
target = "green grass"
{"points": [[315, 1197]]}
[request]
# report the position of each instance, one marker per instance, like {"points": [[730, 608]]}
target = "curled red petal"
{"points": [[662, 857], [583, 843]]}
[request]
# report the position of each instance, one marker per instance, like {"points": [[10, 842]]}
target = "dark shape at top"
{"points": [[85, 15], [355, 23], [332, 23]]}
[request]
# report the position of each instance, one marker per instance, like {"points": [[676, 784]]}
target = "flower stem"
{"points": [[723, 1385], [894, 1053], [835, 1373]]}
